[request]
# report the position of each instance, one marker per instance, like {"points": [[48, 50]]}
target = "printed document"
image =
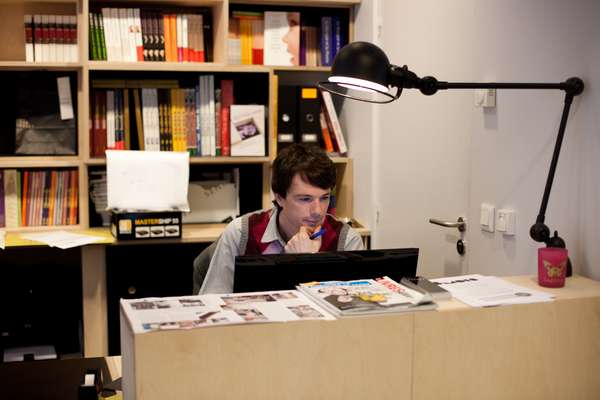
{"points": [[486, 291], [61, 239]]}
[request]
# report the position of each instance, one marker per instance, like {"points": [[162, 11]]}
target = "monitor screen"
{"points": [[285, 271]]}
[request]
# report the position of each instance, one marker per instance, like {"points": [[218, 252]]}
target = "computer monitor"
{"points": [[285, 271]]}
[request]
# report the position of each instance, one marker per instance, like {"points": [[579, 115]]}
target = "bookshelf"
{"points": [[12, 58], [84, 70]]}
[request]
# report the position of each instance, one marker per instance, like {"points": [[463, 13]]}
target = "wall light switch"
{"points": [[487, 217], [506, 221]]}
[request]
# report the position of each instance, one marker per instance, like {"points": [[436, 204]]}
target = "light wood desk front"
{"points": [[534, 351]]}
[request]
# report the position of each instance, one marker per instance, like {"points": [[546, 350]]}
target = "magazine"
{"points": [[366, 296], [187, 312]]}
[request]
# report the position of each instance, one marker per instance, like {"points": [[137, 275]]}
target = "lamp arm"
{"points": [[539, 231]]}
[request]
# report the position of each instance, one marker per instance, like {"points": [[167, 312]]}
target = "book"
{"points": [[366, 296], [281, 38], [334, 122], [11, 198], [247, 130]]}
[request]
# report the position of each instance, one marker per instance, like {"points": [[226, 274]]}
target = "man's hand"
{"points": [[301, 242]]}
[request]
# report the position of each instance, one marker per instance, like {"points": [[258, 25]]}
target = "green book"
{"points": [[93, 48], [101, 37]]}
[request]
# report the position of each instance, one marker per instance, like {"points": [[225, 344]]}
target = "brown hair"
{"points": [[311, 162]]}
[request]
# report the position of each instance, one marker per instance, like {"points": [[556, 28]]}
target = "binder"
{"points": [[309, 108], [287, 116]]}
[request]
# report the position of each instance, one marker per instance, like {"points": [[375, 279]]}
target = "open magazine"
{"points": [[187, 312], [366, 296]]}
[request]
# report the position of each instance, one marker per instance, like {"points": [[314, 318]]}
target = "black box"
{"points": [[146, 225]]}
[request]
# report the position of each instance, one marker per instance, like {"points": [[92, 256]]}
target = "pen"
{"points": [[315, 235]]}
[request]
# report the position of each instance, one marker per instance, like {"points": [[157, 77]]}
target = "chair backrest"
{"points": [[201, 264]]}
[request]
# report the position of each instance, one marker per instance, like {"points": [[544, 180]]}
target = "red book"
{"points": [[225, 138]]}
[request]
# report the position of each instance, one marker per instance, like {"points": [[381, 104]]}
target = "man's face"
{"points": [[304, 205]]}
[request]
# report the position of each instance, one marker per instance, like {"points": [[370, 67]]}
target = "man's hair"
{"points": [[311, 162]]}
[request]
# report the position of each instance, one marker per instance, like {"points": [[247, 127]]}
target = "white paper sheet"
{"points": [[61, 239], [211, 201], [486, 291], [147, 180], [2, 240]]}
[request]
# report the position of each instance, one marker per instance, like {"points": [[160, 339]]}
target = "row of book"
{"points": [[306, 116], [134, 34], [50, 38], [38, 197], [284, 38], [161, 116]]}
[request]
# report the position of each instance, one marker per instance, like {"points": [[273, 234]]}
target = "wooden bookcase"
{"points": [[93, 258], [12, 58]]}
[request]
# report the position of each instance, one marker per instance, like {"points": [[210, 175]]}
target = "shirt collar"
{"points": [[272, 233]]}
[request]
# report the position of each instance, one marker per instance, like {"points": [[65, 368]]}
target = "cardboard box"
{"points": [[146, 225]]}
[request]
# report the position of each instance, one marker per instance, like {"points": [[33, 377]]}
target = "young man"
{"points": [[302, 179]]}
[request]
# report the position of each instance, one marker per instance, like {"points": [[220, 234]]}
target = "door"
{"points": [[421, 155]]}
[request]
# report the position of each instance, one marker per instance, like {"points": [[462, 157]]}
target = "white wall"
{"points": [[362, 119], [509, 148]]}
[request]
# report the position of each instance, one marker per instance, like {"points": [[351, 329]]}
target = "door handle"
{"points": [[460, 223]]}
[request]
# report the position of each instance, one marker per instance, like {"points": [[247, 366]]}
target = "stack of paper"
{"points": [[187, 312], [61, 239], [486, 291]]}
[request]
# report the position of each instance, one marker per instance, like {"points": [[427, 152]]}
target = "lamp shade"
{"points": [[361, 71]]}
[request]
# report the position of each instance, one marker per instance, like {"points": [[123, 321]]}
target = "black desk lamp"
{"points": [[362, 71]]}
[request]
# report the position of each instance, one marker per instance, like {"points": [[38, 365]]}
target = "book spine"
{"points": [[207, 36], [218, 127], [166, 24], [29, 54], [225, 132], [11, 198], [52, 198], [198, 151], [336, 28], [52, 38], [62, 40], [201, 57], [335, 123], [101, 37], [161, 37], [93, 39], [70, 50], [325, 132], [179, 35], [326, 41], [132, 36], [137, 31], [107, 25], [145, 39], [156, 50], [37, 38], [185, 38], [45, 40]]}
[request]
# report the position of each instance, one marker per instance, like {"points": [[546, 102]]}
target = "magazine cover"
{"points": [[282, 38], [188, 312], [366, 296]]}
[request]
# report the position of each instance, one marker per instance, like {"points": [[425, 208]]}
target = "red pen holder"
{"points": [[552, 266]]}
